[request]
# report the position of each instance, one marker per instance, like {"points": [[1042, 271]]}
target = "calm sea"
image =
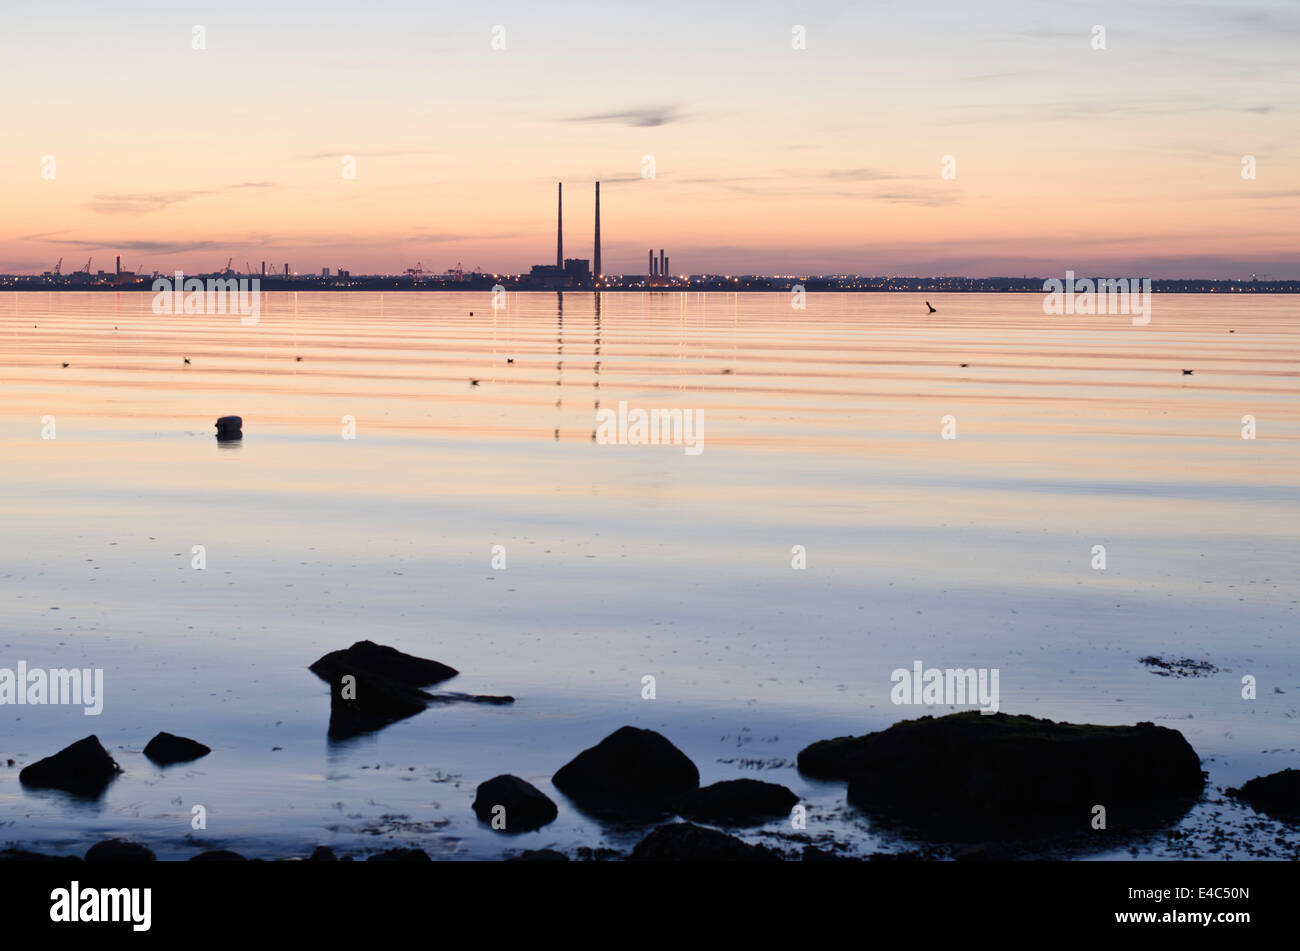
{"points": [[822, 437]]}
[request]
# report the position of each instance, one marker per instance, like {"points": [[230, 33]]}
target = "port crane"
{"points": [[58, 267]]}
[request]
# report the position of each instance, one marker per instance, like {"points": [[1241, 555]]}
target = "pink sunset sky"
{"points": [[768, 157]]}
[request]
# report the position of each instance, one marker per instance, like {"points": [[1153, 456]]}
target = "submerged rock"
{"points": [[737, 802], [686, 842], [372, 685], [85, 767], [230, 428], [971, 776], [1277, 794], [526, 807], [119, 850], [165, 749], [630, 771]]}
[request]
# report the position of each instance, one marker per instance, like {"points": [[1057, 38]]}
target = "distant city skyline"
{"points": [[765, 158]]}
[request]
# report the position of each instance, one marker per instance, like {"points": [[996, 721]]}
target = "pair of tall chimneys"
{"points": [[559, 232], [657, 268]]}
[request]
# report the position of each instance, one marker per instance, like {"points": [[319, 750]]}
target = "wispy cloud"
{"points": [[855, 175], [136, 203], [646, 117], [149, 247], [929, 198], [313, 156]]}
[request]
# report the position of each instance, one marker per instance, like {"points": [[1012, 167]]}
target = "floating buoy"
{"points": [[229, 428]]}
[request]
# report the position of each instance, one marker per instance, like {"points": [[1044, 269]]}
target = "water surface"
{"points": [[821, 429]]}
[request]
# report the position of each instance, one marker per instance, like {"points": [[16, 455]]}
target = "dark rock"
{"points": [[600, 854], [400, 855], [1277, 794], [539, 855], [230, 427], [22, 855], [165, 749], [813, 854], [385, 661], [631, 770], [84, 767], [119, 850], [526, 806], [983, 852], [385, 688], [323, 853], [685, 842], [974, 776], [218, 855], [910, 856], [737, 802]]}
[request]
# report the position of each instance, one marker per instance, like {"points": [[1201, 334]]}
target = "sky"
{"points": [[119, 136]]}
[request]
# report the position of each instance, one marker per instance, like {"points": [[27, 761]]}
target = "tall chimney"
{"points": [[286, 270], [263, 269], [650, 266], [119, 265], [663, 263], [595, 271], [559, 226]]}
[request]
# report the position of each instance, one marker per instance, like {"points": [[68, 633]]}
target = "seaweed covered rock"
{"points": [[631, 771], [686, 842], [512, 804], [970, 776], [166, 748], [1277, 794], [736, 802], [84, 767]]}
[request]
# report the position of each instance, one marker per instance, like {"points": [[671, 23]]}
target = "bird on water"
{"points": [[928, 304]]}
